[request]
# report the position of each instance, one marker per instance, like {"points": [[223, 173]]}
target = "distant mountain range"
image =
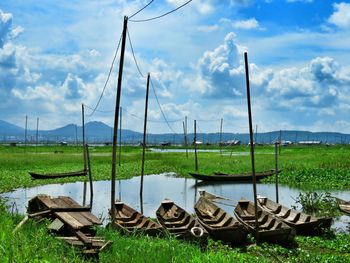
{"points": [[98, 132]]}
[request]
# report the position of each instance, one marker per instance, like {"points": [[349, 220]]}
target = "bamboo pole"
{"points": [[37, 134], [116, 116], [90, 175], [83, 130], [251, 146], [195, 147], [144, 145], [220, 141], [186, 142], [276, 170], [25, 134], [120, 136]]}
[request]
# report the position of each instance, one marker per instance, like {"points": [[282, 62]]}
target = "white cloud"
{"points": [[341, 15], [208, 29], [248, 24]]}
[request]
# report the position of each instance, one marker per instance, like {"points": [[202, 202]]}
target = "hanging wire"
{"points": [[102, 111], [134, 14], [133, 54], [155, 94], [149, 120], [106, 82], [211, 120], [153, 18]]}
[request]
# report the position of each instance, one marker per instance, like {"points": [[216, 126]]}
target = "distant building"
{"points": [[231, 142], [309, 142]]}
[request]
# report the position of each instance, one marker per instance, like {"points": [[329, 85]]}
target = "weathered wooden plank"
{"points": [[81, 218], [60, 203], [56, 225], [92, 218], [68, 219], [47, 201], [81, 236], [69, 201]]}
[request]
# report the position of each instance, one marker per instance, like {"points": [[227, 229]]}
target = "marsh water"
{"points": [[158, 187]]}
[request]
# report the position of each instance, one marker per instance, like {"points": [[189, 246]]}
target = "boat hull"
{"points": [[231, 177]]}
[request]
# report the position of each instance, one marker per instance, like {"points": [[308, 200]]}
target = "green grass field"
{"points": [[308, 168]]}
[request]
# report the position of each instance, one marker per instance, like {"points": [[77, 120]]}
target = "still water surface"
{"points": [[156, 188]]}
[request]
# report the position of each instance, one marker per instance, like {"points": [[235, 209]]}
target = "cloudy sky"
{"points": [[55, 55]]}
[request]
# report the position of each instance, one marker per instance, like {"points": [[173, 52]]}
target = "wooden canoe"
{"points": [[344, 206], [179, 222], [232, 177], [128, 221], [58, 175], [304, 224], [271, 229], [219, 224]]}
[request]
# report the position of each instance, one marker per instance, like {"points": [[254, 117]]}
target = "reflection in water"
{"points": [[158, 187]]}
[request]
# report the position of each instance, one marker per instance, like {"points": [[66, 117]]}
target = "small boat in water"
{"points": [[270, 228], [58, 175], [179, 222], [128, 220], [304, 224], [219, 224], [244, 177], [344, 206]]}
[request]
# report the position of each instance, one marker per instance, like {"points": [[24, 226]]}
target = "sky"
{"points": [[56, 55]]}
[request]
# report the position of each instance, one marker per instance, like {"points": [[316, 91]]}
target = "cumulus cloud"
{"points": [[341, 15], [248, 24], [322, 84]]}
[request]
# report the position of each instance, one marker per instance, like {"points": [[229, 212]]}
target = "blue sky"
{"points": [[55, 55]]}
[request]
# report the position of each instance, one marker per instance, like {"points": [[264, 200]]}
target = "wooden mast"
{"points": [[144, 145], [251, 145], [116, 117], [195, 147], [120, 136]]}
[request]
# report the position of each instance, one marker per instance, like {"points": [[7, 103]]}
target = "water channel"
{"points": [[157, 188]]}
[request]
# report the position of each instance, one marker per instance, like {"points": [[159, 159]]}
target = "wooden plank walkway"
{"points": [[70, 221]]}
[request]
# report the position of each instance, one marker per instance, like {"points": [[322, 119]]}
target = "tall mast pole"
{"points": [[120, 136], [220, 140], [25, 134], [195, 147], [186, 143], [37, 133], [116, 117], [251, 144], [144, 145], [83, 130]]}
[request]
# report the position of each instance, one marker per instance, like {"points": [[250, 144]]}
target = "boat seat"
{"points": [[215, 220], [176, 217], [308, 218], [269, 224], [293, 218], [284, 215], [277, 210], [264, 219], [178, 223], [226, 223]]}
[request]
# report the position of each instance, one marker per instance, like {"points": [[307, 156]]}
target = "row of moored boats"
{"points": [[276, 223]]}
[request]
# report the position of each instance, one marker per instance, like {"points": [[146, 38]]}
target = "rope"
{"points": [[167, 13], [133, 54], [102, 111], [109, 74], [134, 14], [155, 94]]}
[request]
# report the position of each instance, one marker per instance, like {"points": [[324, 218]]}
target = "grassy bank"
{"points": [[309, 168], [317, 167]]}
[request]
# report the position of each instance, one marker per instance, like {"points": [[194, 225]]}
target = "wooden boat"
{"points": [[344, 206], [232, 177], [128, 220], [271, 229], [58, 175], [70, 221], [304, 224], [180, 223], [219, 224]]}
